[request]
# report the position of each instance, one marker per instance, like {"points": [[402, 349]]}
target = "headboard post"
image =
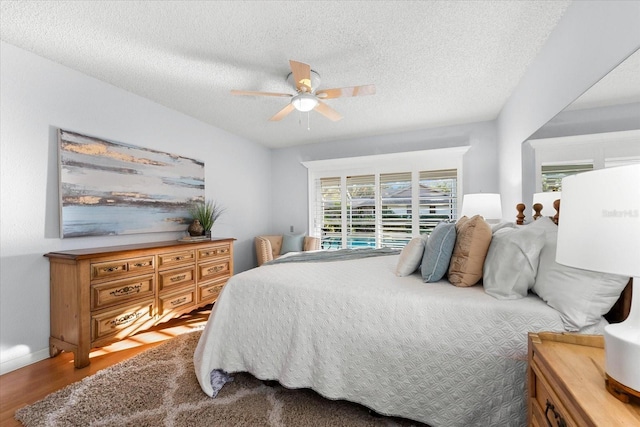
{"points": [[537, 207], [520, 217], [556, 206]]}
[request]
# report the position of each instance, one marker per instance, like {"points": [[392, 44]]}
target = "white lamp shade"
{"points": [[546, 199], [488, 205], [599, 227]]}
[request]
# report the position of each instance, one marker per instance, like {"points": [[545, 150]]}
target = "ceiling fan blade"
{"points": [[252, 93], [328, 112], [346, 91], [301, 75], [282, 113]]}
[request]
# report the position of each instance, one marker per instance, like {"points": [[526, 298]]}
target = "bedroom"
{"points": [[39, 95]]}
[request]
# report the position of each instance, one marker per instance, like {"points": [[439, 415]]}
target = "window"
{"points": [[385, 200], [552, 174], [556, 158]]}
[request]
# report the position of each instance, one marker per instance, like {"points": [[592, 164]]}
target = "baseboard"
{"points": [[22, 361]]}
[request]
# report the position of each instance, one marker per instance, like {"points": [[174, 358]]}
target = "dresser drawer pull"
{"points": [[178, 301], [223, 251], [208, 253], [127, 290], [112, 269], [128, 318], [178, 258], [560, 422], [141, 264], [215, 269], [213, 289], [177, 278]]}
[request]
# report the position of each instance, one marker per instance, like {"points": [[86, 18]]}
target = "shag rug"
{"points": [[159, 388]]}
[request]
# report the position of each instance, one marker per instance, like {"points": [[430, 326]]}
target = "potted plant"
{"points": [[206, 213]]}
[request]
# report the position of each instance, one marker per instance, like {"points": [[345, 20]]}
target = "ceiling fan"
{"points": [[306, 82]]}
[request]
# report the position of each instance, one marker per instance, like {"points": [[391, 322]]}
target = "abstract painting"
{"points": [[110, 188]]}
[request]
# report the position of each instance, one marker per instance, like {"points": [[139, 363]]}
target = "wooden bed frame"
{"points": [[621, 308]]}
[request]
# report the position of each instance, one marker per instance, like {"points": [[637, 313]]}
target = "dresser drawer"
{"points": [[175, 259], [213, 270], [171, 279], [221, 251], [128, 267], [121, 291], [176, 301], [210, 291], [122, 319]]}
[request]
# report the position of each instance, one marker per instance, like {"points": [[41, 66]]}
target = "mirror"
{"points": [[601, 126]]}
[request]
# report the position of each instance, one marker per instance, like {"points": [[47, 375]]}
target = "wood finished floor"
{"points": [[31, 383]]}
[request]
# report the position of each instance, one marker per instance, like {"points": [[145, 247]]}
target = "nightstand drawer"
{"points": [[174, 278], [121, 291], [175, 259], [123, 267], [547, 408]]}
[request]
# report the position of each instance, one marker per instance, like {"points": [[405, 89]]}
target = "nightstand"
{"points": [[566, 384]]}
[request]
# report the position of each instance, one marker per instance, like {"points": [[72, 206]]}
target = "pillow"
{"points": [[512, 262], [437, 252], [410, 256], [501, 225], [292, 243], [472, 243], [582, 297]]}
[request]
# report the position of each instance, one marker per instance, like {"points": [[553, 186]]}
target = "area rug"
{"points": [[159, 388]]}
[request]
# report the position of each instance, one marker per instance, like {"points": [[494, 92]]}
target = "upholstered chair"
{"points": [[269, 247]]}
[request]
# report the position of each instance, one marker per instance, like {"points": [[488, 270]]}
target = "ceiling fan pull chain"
{"points": [[308, 121]]}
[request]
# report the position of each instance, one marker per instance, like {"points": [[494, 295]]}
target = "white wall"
{"points": [[289, 176], [590, 40], [38, 96]]}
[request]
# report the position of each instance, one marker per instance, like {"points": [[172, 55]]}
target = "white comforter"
{"points": [[352, 330]]}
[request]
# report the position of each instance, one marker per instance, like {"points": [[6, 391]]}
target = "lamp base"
{"points": [[620, 391], [622, 351]]}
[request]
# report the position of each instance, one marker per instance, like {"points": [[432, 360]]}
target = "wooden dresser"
{"points": [[566, 384], [102, 295]]}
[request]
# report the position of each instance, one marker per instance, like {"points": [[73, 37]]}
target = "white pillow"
{"points": [[410, 256], [512, 262], [582, 297]]}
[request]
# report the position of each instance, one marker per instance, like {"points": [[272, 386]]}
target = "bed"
{"points": [[352, 329]]}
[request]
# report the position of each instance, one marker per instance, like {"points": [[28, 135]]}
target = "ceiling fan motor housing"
{"points": [[314, 84]]}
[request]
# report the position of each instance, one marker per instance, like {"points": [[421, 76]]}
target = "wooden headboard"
{"points": [[621, 308]]}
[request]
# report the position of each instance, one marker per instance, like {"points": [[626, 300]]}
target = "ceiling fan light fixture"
{"points": [[304, 102]]}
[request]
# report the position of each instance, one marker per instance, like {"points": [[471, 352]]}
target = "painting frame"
{"points": [[111, 188]]}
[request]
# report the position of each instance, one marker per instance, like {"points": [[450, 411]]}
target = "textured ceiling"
{"points": [[433, 63]]}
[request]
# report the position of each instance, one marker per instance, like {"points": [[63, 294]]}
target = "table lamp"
{"points": [[599, 230], [488, 205]]}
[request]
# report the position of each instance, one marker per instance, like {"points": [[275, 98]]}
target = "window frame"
{"points": [[377, 164]]}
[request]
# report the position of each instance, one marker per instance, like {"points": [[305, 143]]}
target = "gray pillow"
{"points": [[437, 253], [512, 262], [582, 297], [292, 243], [411, 255]]}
